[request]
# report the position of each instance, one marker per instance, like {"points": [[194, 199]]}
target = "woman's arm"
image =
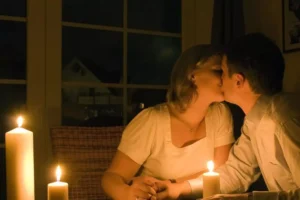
{"points": [[115, 180], [193, 176], [182, 187], [221, 154], [220, 157]]}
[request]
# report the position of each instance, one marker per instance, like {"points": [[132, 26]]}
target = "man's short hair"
{"points": [[259, 60]]}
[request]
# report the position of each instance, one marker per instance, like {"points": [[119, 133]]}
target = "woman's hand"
{"points": [[168, 190], [142, 188]]}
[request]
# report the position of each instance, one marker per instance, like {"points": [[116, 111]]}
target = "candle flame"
{"points": [[210, 166], [58, 173], [20, 121]]}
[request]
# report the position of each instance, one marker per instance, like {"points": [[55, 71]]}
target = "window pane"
{"points": [[13, 8], [12, 50], [92, 55], [13, 101], [92, 106], [108, 13], [139, 99], [2, 174], [151, 58], [157, 15]]}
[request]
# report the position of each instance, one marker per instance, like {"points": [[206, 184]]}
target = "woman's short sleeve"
{"points": [[138, 136], [224, 131]]}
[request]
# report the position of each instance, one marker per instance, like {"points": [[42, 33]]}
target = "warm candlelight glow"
{"points": [[20, 121], [210, 166], [58, 173]]}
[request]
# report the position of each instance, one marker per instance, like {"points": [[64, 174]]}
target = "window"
{"points": [[116, 58], [99, 63], [12, 72]]}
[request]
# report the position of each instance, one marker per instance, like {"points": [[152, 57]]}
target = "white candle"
{"points": [[19, 163], [58, 190], [211, 181]]}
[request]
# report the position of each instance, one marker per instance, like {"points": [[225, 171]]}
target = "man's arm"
{"points": [[289, 139], [238, 172], [241, 169]]}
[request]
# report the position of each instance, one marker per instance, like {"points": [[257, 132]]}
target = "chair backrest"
{"points": [[84, 153]]}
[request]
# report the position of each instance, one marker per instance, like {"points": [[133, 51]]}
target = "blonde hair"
{"points": [[182, 89]]}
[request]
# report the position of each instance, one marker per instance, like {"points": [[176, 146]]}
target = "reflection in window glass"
{"points": [[155, 15], [2, 174], [13, 8], [92, 106], [12, 50], [151, 58], [109, 13], [92, 55], [139, 99], [13, 102]]}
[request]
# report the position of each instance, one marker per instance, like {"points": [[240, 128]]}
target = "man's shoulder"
{"points": [[286, 102], [284, 106]]}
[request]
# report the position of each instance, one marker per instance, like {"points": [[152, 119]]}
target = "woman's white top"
{"points": [[147, 141]]}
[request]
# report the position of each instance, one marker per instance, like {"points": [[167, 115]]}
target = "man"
{"points": [[253, 69]]}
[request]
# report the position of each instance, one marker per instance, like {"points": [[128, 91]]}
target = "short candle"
{"points": [[211, 181], [58, 190]]}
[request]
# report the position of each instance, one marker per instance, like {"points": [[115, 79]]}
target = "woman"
{"points": [[173, 141]]}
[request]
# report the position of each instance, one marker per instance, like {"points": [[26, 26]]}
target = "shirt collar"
{"points": [[259, 109]]}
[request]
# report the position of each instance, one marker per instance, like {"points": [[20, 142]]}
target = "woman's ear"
{"points": [[192, 77]]}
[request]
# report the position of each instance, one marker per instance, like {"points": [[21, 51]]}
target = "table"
{"points": [[257, 195], [244, 196]]}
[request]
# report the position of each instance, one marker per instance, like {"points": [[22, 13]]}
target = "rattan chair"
{"points": [[84, 153]]}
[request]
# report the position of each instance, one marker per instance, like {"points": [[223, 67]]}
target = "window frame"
{"points": [[124, 85], [44, 100]]}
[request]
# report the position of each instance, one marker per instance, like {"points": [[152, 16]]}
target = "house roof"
{"points": [[102, 74]]}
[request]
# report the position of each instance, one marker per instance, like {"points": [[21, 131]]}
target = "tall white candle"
{"points": [[211, 181], [58, 190], [19, 163]]}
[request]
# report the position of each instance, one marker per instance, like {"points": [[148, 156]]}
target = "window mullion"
{"points": [[125, 67]]}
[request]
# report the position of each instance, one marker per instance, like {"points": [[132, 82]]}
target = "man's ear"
{"points": [[239, 80]]}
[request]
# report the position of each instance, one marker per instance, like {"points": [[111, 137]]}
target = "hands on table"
{"points": [[149, 188]]}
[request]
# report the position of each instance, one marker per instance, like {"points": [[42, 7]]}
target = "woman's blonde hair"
{"points": [[182, 89]]}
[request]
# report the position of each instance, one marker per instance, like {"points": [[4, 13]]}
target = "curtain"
{"points": [[228, 21], [227, 24]]}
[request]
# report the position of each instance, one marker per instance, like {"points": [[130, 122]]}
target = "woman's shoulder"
{"points": [[160, 109], [156, 111], [219, 108]]}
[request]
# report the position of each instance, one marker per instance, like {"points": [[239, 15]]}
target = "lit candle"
{"points": [[19, 163], [58, 190], [211, 181]]}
